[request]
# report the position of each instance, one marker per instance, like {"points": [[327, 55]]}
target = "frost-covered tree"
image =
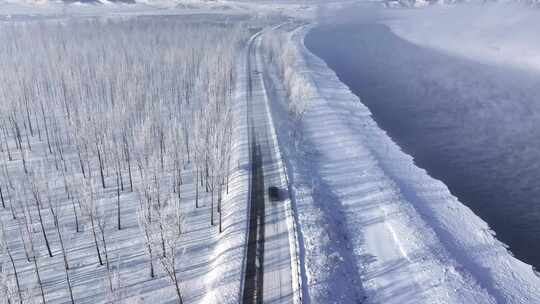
{"points": [[38, 183], [57, 211], [281, 53], [168, 259], [10, 286], [82, 127], [30, 241], [90, 209], [145, 225], [115, 288]]}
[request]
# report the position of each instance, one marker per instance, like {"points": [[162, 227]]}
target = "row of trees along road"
{"points": [[99, 116]]}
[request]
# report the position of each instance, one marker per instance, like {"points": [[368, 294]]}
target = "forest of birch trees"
{"points": [[101, 124]]}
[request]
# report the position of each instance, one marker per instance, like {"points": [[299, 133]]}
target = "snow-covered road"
{"points": [[273, 250]]}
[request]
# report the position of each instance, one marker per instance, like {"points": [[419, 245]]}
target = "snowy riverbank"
{"points": [[391, 232]]}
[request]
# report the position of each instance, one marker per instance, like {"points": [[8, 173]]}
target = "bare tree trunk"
{"points": [[206, 174], [2, 198], [121, 178], [61, 153], [35, 261], [119, 224], [162, 149], [219, 209], [70, 288], [212, 207], [28, 113], [160, 223], [38, 128], [25, 247], [46, 127], [75, 214], [145, 226], [128, 161], [38, 207], [61, 240], [81, 163], [39, 280], [130, 177], [55, 155], [13, 214], [102, 231], [66, 264], [100, 167], [6, 142], [196, 188], [169, 265], [151, 256], [179, 184], [177, 286], [16, 132], [27, 138], [16, 274], [228, 171], [92, 221], [23, 158]]}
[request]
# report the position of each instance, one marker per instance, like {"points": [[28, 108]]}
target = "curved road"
{"points": [[268, 275]]}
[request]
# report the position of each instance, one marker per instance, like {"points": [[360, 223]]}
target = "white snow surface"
{"points": [[264, 9], [210, 263], [57, 8], [374, 225], [503, 33], [49, 8]]}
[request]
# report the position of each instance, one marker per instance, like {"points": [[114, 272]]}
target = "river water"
{"points": [[474, 126]]}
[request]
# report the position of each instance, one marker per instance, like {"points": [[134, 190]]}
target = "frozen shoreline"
{"points": [[411, 240]]}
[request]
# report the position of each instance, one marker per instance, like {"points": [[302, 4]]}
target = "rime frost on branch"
{"points": [[99, 116]]}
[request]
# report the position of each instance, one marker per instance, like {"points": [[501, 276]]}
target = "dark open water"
{"points": [[475, 127]]}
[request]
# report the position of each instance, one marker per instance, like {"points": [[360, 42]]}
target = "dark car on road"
{"points": [[274, 193]]}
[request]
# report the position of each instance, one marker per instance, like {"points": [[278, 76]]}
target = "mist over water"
{"points": [[473, 125]]}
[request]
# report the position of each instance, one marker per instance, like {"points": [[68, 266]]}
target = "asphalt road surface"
{"points": [[268, 277]]}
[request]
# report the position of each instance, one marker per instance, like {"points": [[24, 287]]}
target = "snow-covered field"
{"points": [[66, 183], [46, 8], [372, 227], [23, 10]]}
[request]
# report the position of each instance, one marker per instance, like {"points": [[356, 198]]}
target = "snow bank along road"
{"points": [[268, 275]]}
